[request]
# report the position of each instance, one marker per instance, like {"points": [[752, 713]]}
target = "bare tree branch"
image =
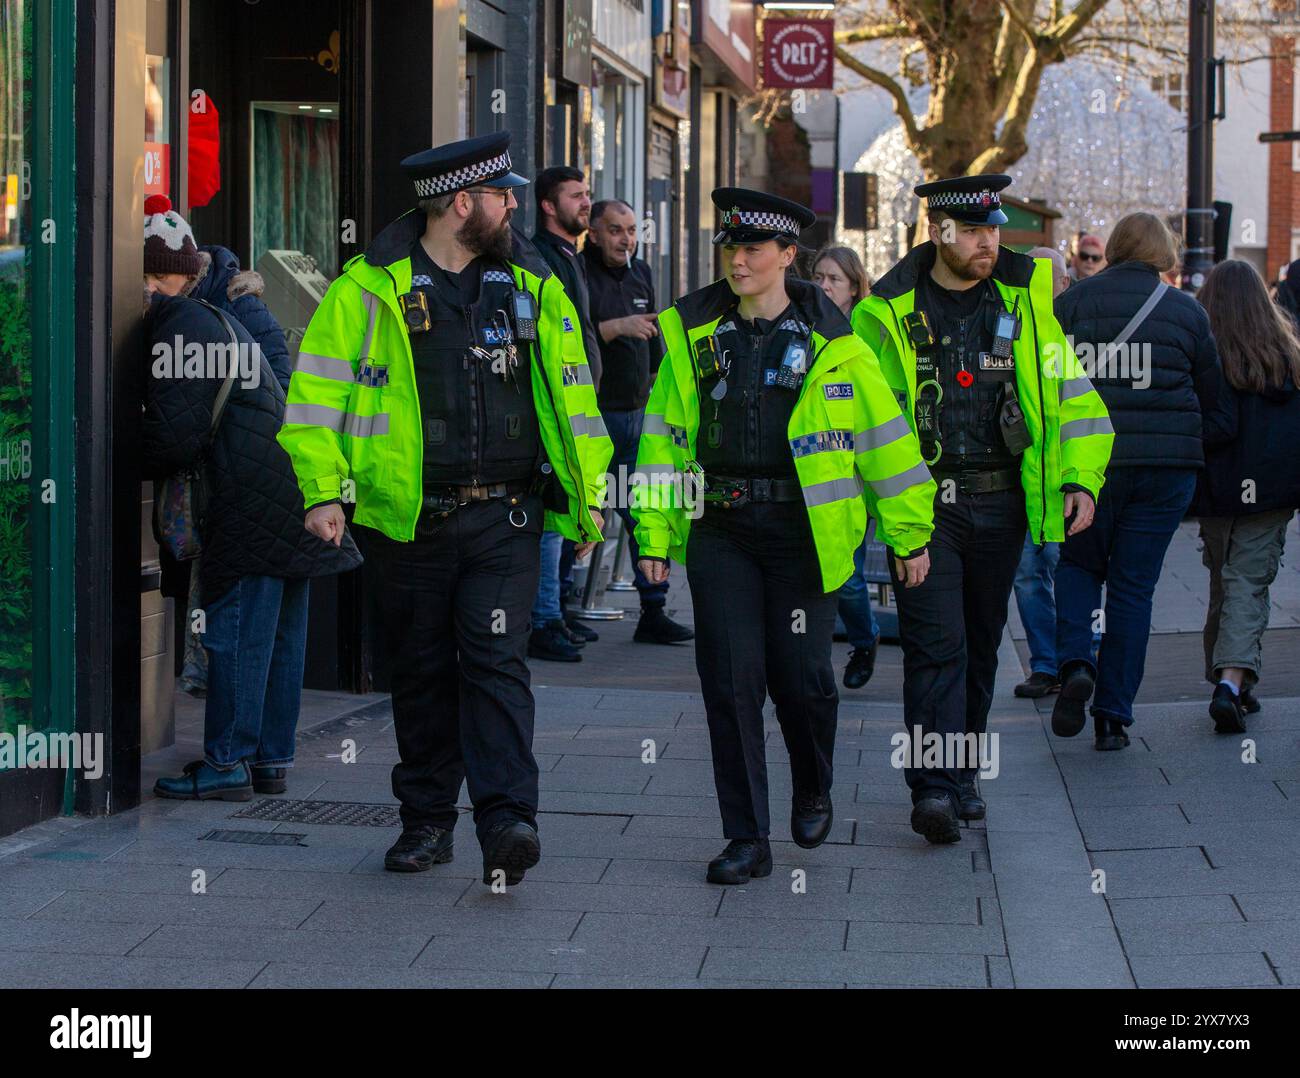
{"points": [[872, 33], [901, 105], [1019, 21]]}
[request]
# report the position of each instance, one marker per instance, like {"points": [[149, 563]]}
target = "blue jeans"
{"points": [[855, 604], [1139, 511], [256, 641], [625, 432], [1036, 604], [546, 607]]}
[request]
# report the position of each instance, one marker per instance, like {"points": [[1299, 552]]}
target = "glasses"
{"points": [[504, 192], [1089, 258]]}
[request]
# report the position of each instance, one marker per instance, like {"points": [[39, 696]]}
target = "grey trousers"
{"points": [[1242, 554]]}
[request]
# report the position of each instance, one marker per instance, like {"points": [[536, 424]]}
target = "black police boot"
{"points": [[550, 643], [810, 819], [513, 847], [579, 628], [1068, 716], [1227, 711], [575, 638], [419, 849], [1037, 685], [862, 664], [1249, 704], [269, 780], [743, 859], [970, 805], [935, 818], [1110, 734], [656, 627]]}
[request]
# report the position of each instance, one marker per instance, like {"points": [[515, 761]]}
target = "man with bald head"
{"points": [[1060, 271], [1087, 256]]}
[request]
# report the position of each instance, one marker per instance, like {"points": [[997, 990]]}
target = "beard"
{"points": [[479, 235], [572, 223], [967, 269]]}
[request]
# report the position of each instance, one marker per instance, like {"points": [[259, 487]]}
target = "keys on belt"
{"points": [[733, 493], [980, 482]]}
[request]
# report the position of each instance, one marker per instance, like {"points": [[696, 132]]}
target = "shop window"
{"points": [[295, 181]]}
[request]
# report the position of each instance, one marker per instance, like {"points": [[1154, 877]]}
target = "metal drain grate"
{"points": [[255, 838], [347, 813]]}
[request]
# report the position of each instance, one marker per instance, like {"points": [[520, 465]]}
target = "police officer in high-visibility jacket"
{"points": [[767, 400], [442, 385], [1014, 434]]}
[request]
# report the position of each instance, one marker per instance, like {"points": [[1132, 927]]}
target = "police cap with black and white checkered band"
{"points": [[483, 161], [752, 216], [971, 199]]}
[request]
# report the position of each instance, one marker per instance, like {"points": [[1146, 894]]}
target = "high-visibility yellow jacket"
{"points": [[852, 450], [1069, 424], [337, 427]]}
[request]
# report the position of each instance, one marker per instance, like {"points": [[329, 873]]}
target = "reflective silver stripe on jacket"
{"points": [[822, 441], [577, 375], [1075, 387], [315, 415], [338, 370], [832, 490], [590, 425], [656, 424], [363, 426], [882, 434], [1079, 428], [896, 484]]}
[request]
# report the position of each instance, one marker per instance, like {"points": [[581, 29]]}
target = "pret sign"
{"points": [[799, 54]]}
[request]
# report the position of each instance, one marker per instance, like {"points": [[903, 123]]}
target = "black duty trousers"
{"points": [[763, 626], [455, 606], [951, 625]]}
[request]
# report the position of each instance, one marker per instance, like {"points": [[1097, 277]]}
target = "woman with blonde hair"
{"points": [[1249, 490], [1150, 354]]}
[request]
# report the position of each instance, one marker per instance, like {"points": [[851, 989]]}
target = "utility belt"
{"points": [[442, 501], [979, 482], [732, 493]]}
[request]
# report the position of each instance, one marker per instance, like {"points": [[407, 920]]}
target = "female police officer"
{"points": [[769, 406]]}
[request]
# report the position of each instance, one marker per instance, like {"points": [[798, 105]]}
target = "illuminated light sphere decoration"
{"points": [[1101, 144]]}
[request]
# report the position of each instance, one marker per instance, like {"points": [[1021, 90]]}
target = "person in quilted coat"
{"points": [[257, 554]]}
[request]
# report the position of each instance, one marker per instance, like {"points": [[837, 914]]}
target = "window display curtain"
{"points": [[295, 186]]}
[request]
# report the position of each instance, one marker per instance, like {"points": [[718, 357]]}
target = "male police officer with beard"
{"points": [[1015, 436], [443, 384]]}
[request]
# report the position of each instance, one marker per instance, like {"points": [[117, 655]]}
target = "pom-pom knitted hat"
{"points": [[169, 245]]}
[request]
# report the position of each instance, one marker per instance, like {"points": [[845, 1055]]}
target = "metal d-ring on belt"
{"points": [[446, 500]]}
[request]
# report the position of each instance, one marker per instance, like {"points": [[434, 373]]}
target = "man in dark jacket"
{"points": [[257, 554], [623, 313], [563, 212]]}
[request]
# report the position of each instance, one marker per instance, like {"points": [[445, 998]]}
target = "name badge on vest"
{"points": [[990, 362]]}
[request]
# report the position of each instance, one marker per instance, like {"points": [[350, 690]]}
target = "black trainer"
{"points": [[579, 628], [512, 846], [1037, 685], [550, 643], [419, 849], [1227, 711], [1249, 704], [1068, 713], [862, 664], [935, 818], [970, 803], [810, 819], [1110, 734], [743, 859], [656, 627], [576, 639]]}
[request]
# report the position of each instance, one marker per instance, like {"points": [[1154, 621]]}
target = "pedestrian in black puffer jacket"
{"points": [[257, 554], [1164, 392], [238, 291], [1250, 488]]}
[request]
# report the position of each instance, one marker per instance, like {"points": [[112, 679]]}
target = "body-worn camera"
{"points": [[917, 327], [794, 365], [706, 359], [415, 311]]}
